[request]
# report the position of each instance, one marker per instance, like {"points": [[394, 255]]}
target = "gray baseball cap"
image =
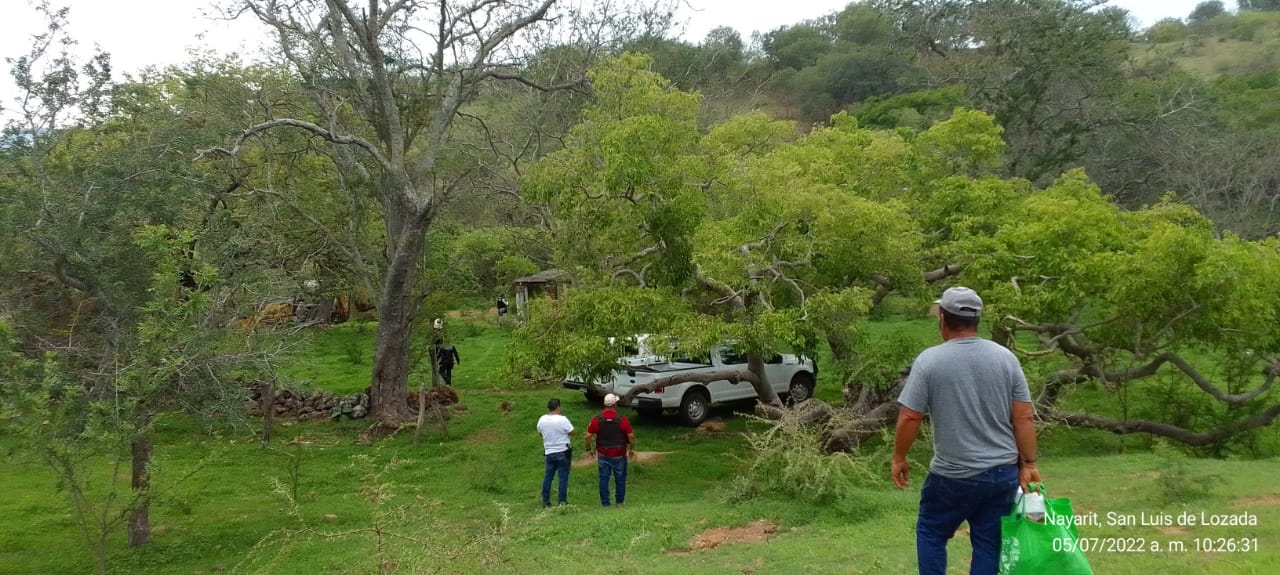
{"points": [[960, 302]]}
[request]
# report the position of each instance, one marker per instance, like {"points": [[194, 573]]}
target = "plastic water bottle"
{"points": [[1033, 505]]}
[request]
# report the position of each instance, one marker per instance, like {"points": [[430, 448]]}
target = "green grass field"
{"points": [[469, 503]]}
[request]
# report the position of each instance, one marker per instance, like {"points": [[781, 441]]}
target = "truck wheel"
{"points": [[593, 398], [695, 407], [801, 388]]}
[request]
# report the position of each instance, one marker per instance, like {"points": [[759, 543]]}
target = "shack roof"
{"points": [[543, 277]]}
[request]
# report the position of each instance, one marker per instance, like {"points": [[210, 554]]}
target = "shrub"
{"points": [[511, 267], [1248, 24], [1167, 30], [786, 460], [1176, 482], [356, 343]]}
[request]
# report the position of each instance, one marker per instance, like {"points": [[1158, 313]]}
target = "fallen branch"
{"points": [[943, 272], [811, 411], [732, 375]]}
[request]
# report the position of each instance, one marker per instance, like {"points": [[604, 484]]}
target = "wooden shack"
{"points": [[550, 283]]}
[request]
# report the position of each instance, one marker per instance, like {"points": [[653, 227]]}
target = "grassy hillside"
{"points": [[469, 503], [1227, 45]]}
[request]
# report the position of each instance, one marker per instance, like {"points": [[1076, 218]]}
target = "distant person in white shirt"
{"points": [[555, 430]]}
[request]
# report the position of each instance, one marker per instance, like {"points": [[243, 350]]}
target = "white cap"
{"points": [[610, 400], [960, 302]]}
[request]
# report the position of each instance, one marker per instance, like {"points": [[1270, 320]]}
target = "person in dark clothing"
{"points": [[502, 306], [614, 444], [446, 358]]}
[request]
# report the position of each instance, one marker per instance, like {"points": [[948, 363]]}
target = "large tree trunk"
{"points": [[396, 314], [764, 388], [140, 518]]}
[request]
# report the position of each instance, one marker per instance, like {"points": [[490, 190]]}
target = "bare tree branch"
{"points": [[748, 247], [729, 294], [1214, 436], [1055, 335], [1270, 373], [304, 125], [637, 256], [639, 277], [532, 84]]}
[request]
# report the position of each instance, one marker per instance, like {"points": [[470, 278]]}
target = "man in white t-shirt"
{"points": [[555, 430]]}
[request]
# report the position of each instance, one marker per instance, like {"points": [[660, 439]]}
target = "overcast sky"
{"points": [[139, 33]]}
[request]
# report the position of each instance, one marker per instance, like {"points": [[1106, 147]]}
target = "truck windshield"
{"points": [[698, 358], [732, 356]]}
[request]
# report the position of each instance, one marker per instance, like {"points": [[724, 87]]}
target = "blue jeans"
{"points": [[615, 467], [981, 500], [557, 463]]}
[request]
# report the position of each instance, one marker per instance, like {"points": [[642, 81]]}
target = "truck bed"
{"points": [[668, 367]]}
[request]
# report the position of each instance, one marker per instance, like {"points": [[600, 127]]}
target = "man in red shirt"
{"points": [[614, 443]]}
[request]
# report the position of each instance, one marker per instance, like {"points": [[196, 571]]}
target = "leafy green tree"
{"points": [[1258, 5], [1167, 30], [863, 25], [1206, 11], [386, 86], [827, 64], [114, 315], [755, 229], [797, 47], [918, 110], [1045, 69], [73, 417], [1210, 143], [793, 240], [1155, 286]]}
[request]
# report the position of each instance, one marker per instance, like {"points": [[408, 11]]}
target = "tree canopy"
{"points": [[752, 232]]}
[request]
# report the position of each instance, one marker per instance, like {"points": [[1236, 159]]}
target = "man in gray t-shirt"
{"points": [[984, 442]]}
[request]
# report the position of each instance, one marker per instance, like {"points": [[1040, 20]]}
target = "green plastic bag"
{"points": [[1030, 548]]}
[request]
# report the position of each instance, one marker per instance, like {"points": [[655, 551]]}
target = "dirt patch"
{"points": [[1271, 499], [1173, 530], [758, 531], [641, 457], [712, 426]]}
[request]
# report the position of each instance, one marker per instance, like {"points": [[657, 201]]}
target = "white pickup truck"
{"points": [[790, 375]]}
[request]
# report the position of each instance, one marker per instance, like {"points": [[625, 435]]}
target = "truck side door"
{"points": [[780, 368], [728, 357]]}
